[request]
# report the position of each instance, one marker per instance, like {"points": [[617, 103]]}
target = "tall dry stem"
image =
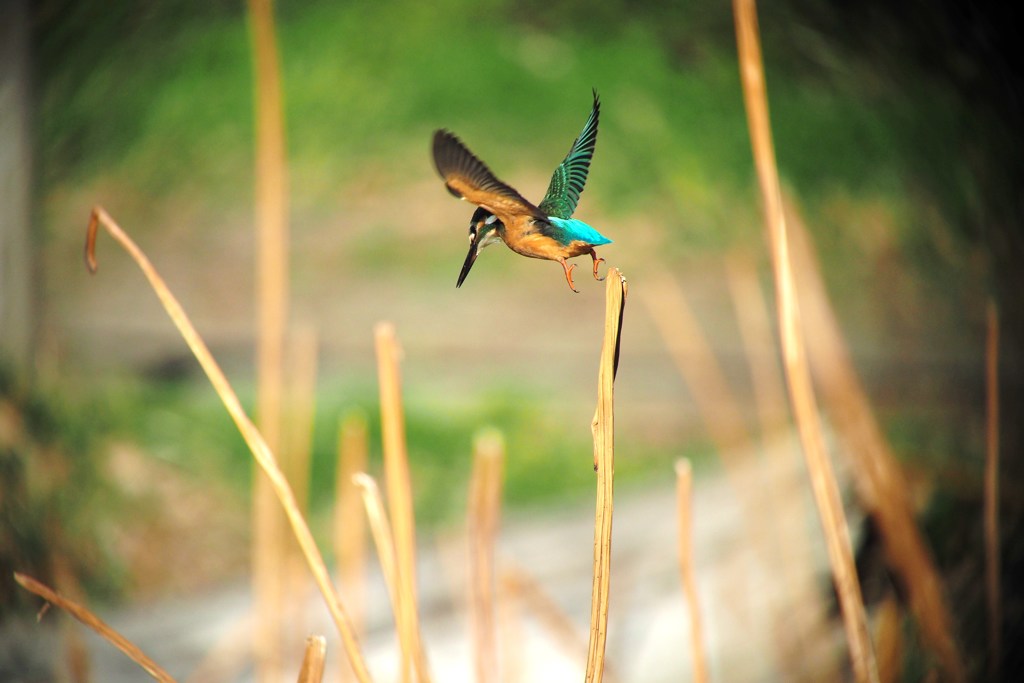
{"points": [[253, 439], [992, 554], [76, 651], [722, 417], [798, 605], [695, 360], [801, 392], [482, 515], [879, 480], [349, 519], [603, 428], [383, 538], [399, 495], [271, 195], [753, 318], [297, 416], [684, 503]]}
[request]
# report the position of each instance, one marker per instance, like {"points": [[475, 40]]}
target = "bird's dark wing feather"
{"points": [[571, 175], [468, 178]]}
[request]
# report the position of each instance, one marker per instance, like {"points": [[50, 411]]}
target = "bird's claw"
{"points": [[597, 261], [568, 274]]}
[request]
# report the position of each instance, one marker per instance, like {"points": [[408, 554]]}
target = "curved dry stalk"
{"points": [[801, 391], [85, 616], [603, 428], [257, 445]]}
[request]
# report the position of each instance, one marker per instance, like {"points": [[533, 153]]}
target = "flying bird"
{"points": [[545, 231]]}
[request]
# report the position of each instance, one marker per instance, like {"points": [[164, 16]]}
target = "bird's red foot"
{"points": [[597, 260], [568, 274]]}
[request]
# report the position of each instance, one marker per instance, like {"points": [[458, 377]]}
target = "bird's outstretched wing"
{"points": [[468, 178], [571, 175]]}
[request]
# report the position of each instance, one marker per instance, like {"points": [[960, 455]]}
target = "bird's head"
{"points": [[483, 230]]}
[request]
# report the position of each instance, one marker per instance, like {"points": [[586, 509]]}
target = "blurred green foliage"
{"points": [[882, 113], [183, 423], [156, 98], [160, 95], [55, 497]]}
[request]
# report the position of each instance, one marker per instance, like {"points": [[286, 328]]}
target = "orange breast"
{"points": [[522, 238]]}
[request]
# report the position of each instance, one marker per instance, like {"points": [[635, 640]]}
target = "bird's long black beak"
{"points": [[470, 259]]}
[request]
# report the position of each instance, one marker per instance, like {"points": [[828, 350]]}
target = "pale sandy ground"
{"points": [[648, 626]]}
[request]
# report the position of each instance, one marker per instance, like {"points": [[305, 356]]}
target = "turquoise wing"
{"points": [[571, 175], [569, 230]]}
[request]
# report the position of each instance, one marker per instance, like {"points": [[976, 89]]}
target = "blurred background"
{"points": [[897, 133]]}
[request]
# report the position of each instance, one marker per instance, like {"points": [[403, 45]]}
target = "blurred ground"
{"points": [[895, 149], [514, 325], [740, 590]]}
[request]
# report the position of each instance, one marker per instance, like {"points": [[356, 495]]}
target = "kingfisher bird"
{"points": [[545, 231]]}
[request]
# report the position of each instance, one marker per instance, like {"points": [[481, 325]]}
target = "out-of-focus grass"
{"points": [[156, 102], [154, 106], [56, 497], [548, 464], [164, 107]]}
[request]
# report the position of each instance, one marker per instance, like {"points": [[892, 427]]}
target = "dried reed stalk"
{"points": [[889, 639], [83, 615], [399, 492], [518, 584], [271, 196], [512, 634], [992, 588], [384, 539], [297, 431], [801, 392], [603, 428], [684, 503], [877, 475], [257, 445], [482, 519], [76, 652], [299, 411], [723, 418], [697, 365], [349, 518], [754, 322], [312, 670], [270, 548], [797, 606]]}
